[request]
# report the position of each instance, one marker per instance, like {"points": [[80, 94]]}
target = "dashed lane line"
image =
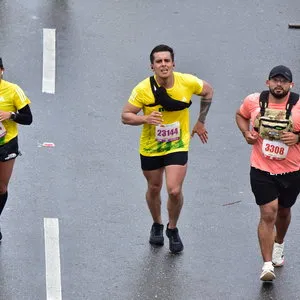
{"points": [[52, 259], [49, 60]]}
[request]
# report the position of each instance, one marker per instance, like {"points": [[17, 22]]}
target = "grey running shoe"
{"points": [[157, 234], [175, 242]]}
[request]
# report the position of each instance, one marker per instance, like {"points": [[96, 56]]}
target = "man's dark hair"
{"points": [[161, 48], [1, 64]]}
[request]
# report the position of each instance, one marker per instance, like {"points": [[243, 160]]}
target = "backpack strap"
{"points": [[154, 87], [162, 98], [153, 84], [263, 102], [293, 99]]}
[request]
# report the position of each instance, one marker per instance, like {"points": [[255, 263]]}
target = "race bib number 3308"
{"points": [[167, 132], [274, 149]]}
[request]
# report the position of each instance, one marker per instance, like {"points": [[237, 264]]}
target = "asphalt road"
{"points": [[91, 180]]}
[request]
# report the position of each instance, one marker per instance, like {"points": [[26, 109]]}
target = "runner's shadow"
{"points": [[158, 276], [267, 291]]}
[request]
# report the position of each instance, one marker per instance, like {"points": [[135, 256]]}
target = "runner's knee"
{"points": [[269, 216], [154, 188], [174, 192]]}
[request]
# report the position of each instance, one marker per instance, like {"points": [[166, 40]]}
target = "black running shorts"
{"points": [[149, 163], [10, 150], [267, 187]]}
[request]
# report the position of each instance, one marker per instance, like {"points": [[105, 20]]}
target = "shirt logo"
{"points": [[1, 99], [10, 156]]}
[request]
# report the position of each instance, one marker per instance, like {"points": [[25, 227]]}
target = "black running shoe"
{"points": [[157, 234], [175, 242]]}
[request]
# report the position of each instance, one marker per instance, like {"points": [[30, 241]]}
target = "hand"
{"points": [[155, 118], [289, 138], [4, 115], [200, 129], [251, 137]]}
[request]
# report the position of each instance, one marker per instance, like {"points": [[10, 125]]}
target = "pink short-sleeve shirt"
{"points": [[249, 110]]}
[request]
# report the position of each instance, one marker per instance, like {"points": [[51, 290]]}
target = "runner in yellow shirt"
{"points": [[164, 99], [14, 108]]}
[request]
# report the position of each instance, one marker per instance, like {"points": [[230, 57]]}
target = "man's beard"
{"points": [[279, 96]]}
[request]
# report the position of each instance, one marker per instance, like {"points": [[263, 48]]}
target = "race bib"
{"points": [[167, 132], [274, 149], [2, 130]]}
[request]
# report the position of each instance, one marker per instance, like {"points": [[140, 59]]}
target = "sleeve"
{"points": [[136, 98], [24, 116], [248, 106], [195, 83], [20, 99]]}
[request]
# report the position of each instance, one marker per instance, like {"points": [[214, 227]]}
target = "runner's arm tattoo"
{"points": [[204, 108]]}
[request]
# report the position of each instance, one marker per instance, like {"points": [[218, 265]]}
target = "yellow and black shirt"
{"points": [[185, 86], [12, 99]]}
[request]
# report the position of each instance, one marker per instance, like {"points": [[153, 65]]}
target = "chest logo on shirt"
{"points": [[182, 100], [1, 99]]}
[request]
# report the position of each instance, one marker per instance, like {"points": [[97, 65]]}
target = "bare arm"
{"points": [[244, 124], [290, 138], [206, 98], [130, 116]]}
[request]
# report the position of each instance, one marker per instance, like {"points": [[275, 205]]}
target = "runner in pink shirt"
{"points": [[270, 122]]}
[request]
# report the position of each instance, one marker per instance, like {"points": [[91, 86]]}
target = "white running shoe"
{"points": [[277, 255], [267, 273]]}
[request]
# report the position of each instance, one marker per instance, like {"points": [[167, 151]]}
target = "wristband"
{"points": [[13, 116]]}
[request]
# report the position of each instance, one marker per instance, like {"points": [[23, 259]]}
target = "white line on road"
{"points": [[52, 257], [49, 41]]}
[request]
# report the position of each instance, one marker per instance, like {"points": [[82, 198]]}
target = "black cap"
{"points": [[1, 64], [281, 71]]}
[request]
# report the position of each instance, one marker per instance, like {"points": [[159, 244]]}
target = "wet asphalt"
{"points": [[91, 180]]}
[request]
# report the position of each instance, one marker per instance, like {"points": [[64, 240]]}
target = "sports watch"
{"points": [[12, 115]]}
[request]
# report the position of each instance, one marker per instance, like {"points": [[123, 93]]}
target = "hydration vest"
{"points": [[162, 98], [270, 122]]}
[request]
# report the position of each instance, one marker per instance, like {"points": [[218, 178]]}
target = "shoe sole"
{"points": [[278, 265], [176, 251], [268, 277], [156, 243]]}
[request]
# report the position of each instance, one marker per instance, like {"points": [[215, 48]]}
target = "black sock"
{"points": [[3, 198]]}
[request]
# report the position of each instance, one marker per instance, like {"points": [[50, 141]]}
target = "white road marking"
{"points": [[49, 46], [52, 258]]}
